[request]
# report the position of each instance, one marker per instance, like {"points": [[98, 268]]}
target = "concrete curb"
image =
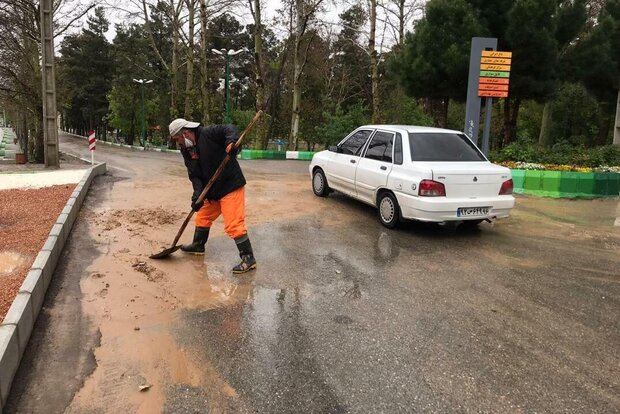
{"points": [[244, 154], [17, 326], [132, 147]]}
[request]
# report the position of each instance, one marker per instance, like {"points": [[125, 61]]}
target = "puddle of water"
{"points": [[9, 261]]}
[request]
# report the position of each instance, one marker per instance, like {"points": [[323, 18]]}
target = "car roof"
{"points": [[412, 128]]}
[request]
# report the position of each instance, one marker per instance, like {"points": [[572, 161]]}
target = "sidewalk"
{"points": [[38, 179]]}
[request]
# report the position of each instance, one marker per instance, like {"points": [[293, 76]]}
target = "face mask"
{"points": [[188, 143]]}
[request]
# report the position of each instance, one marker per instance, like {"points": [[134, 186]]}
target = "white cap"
{"points": [[180, 123]]}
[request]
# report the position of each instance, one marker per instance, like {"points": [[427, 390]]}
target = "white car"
{"points": [[411, 172]]}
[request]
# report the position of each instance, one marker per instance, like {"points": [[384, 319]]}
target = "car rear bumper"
{"points": [[440, 209]]}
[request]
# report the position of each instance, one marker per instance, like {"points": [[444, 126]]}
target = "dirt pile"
{"points": [[152, 274], [147, 217], [150, 217]]}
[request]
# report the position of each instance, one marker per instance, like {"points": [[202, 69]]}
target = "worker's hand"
{"points": [[231, 149], [197, 205]]}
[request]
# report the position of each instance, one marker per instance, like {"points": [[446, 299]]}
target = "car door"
{"points": [[341, 170], [375, 166]]}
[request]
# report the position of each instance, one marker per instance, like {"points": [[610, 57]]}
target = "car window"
{"points": [[380, 146], [443, 146], [355, 143], [398, 150]]}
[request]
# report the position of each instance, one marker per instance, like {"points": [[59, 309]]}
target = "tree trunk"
{"points": [[274, 104], [604, 124], [23, 128], [174, 67], [511, 113], [444, 112], [187, 111], [299, 29], [204, 91], [261, 101], [374, 64], [544, 138], [401, 22], [616, 140]]}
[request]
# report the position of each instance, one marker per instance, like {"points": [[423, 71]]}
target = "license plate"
{"points": [[472, 211]]}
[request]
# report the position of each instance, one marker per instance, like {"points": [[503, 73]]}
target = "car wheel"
{"points": [[319, 183], [389, 210]]}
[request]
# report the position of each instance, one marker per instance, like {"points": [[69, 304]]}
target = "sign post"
{"points": [[493, 83], [91, 146], [489, 77], [472, 108]]}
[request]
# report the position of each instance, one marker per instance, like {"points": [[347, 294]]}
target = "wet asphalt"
{"points": [[343, 315], [358, 318]]}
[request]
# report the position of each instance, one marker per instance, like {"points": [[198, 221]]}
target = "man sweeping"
{"points": [[203, 149]]}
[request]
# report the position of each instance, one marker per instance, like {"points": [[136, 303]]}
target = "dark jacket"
{"points": [[209, 151]]}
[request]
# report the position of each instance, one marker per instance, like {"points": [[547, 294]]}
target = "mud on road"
{"points": [[133, 302], [341, 315]]}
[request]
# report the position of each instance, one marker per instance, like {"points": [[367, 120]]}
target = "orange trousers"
{"points": [[232, 207]]}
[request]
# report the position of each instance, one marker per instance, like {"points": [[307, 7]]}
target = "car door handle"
{"points": [[383, 167], [352, 161]]}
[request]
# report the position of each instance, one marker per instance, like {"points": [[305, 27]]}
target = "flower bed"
{"points": [[517, 165]]}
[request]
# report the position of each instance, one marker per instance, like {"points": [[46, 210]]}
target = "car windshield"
{"points": [[443, 146]]}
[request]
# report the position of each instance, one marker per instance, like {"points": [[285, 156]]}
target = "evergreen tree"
{"points": [[87, 74], [595, 61], [434, 62]]}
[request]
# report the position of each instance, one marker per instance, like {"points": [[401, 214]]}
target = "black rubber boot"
{"points": [[201, 235], [247, 256]]}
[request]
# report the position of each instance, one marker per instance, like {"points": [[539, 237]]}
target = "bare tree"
{"points": [[261, 94], [399, 14], [374, 62], [204, 63], [304, 13], [191, 6], [20, 68]]}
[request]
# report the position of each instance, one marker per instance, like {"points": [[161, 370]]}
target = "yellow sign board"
{"points": [[495, 61], [496, 54], [505, 68]]}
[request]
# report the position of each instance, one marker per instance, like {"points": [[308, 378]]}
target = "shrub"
{"points": [[337, 126], [523, 151], [561, 154]]}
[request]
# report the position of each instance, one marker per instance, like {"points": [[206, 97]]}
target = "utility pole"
{"points": [[616, 140], [50, 120], [142, 82], [227, 54]]}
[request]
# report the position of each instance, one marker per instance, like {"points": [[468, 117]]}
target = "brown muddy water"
{"points": [[9, 261]]}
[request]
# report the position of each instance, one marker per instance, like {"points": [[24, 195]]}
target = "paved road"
{"points": [[342, 315]]}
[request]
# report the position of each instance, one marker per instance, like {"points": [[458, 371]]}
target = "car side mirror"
{"points": [[333, 148]]}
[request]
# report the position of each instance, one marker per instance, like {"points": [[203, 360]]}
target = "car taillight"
{"points": [[506, 188], [430, 188]]}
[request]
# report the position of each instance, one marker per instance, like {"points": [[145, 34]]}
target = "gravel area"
{"points": [[26, 218]]}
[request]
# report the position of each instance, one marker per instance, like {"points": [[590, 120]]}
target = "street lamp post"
{"points": [[142, 82], [227, 54]]}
